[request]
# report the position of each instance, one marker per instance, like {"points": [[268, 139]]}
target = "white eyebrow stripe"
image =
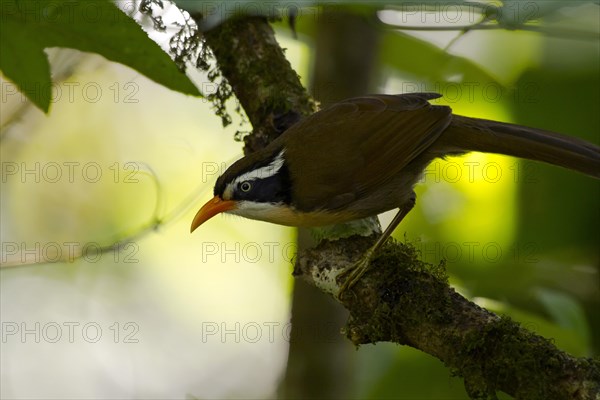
{"points": [[263, 172]]}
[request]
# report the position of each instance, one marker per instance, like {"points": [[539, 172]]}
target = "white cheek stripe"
{"points": [[261, 173]]}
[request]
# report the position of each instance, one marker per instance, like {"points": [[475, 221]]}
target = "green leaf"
{"points": [[24, 62], [565, 311], [98, 26], [426, 61]]}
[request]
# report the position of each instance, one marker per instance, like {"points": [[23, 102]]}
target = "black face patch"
{"points": [[274, 189], [242, 166]]}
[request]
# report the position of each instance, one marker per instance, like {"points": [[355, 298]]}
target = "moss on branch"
{"points": [[403, 300]]}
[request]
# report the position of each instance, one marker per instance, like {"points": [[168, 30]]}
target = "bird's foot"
{"points": [[355, 271]]}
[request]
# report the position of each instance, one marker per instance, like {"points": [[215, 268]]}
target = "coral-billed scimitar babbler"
{"points": [[363, 156]]}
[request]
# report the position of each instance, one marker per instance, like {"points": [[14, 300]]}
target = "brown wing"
{"points": [[352, 148]]}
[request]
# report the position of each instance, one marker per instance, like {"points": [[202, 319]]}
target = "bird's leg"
{"points": [[357, 270]]}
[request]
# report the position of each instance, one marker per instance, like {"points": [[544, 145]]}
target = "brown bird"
{"points": [[363, 156]]}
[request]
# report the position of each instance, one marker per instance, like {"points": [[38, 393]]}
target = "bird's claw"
{"points": [[355, 272]]}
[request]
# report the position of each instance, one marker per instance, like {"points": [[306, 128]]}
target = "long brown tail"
{"points": [[471, 134]]}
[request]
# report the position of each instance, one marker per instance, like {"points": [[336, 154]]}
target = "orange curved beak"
{"points": [[212, 207]]}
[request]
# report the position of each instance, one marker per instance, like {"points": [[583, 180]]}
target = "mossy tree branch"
{"points": [[400, 299], [404, 300]]}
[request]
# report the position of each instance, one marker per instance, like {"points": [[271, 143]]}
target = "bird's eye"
{"points": [[245, 186]]}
